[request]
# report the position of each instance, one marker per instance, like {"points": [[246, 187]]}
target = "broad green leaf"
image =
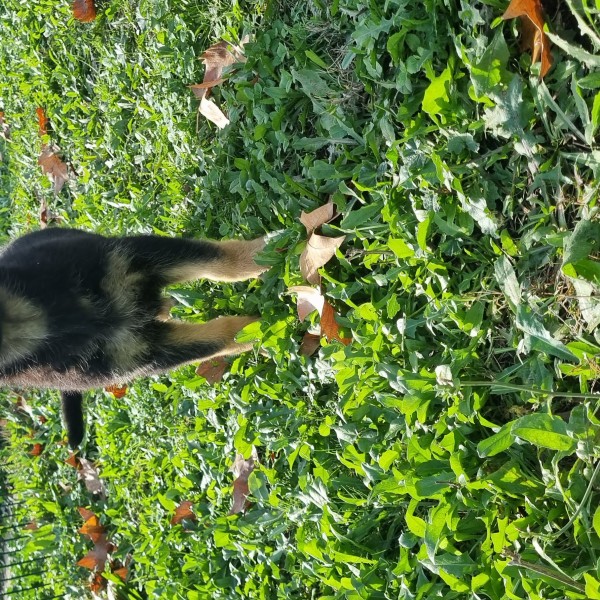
{"points": [[584, 240], [436, 524], [490, 71], [387, 458], [400, 248], [591, 60], [506, 118], [528, 322], [312, 84], [436, 97], [499, 442], [592, 586], [507, 280], [545, 431], [596, 521], [361, 217]]}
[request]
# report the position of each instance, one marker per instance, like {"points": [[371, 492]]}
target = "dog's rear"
{"points": [[80, 310]]}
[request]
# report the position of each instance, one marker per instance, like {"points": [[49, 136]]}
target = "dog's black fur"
{"points": [[80, 310]]}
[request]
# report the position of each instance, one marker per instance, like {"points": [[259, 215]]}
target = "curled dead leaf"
{"points": [[42, 121], [93, 529], [96, 558], [91, 477], [73, 461], [118, 391], [54, 168], [318, 252], [121, 573], [213, 369], [36, 450], [329, 326], [241, 469], [212, 112], [310, 344], [216, 58], [533, 36], [86, 513], [84, 10], [314, 219], [183, 511], [309, 300]]}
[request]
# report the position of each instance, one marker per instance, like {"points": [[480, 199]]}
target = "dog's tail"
{"points": [[72, 410]]}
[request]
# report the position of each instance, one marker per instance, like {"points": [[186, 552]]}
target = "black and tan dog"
{"points": [[80, 311]]}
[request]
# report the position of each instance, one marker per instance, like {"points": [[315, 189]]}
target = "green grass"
{"points": [[450, 450]]}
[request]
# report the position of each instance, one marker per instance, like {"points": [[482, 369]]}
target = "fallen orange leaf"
{"points": [[86, 513], [36, 450], [329, 326], [317, 217], [121, 572], [318, 252], [84, 10], [241, 469], [118, 391], [310, 344], [183, 511], [98, 583], [534, 38], [93, 529], [212, 369], [73, 461], [42, 121], [53, 167]]}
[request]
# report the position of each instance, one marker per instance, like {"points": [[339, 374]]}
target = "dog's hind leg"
{"points": [[175, 260], [178, 343]]}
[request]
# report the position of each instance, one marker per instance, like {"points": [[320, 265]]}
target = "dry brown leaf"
{"points": [[84, 10], [213, 369], [329, 326], [97, 584], [86, 513], [53, 167], [309, 300], [32, 526], [73, 461], [121, 573], [42, 121], [93, 529], [217, 57], [314, 219], [183, 511], [534, 38], [310, 344], [91, 478], [4, 127], [36, 450], [199, 89], [213, 113], [118, 391], [22, 404], [241, 469], [95, 559], [318, 252]]}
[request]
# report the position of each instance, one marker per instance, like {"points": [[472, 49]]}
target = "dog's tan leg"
{"points": [[234, 262], [187, 342]]}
